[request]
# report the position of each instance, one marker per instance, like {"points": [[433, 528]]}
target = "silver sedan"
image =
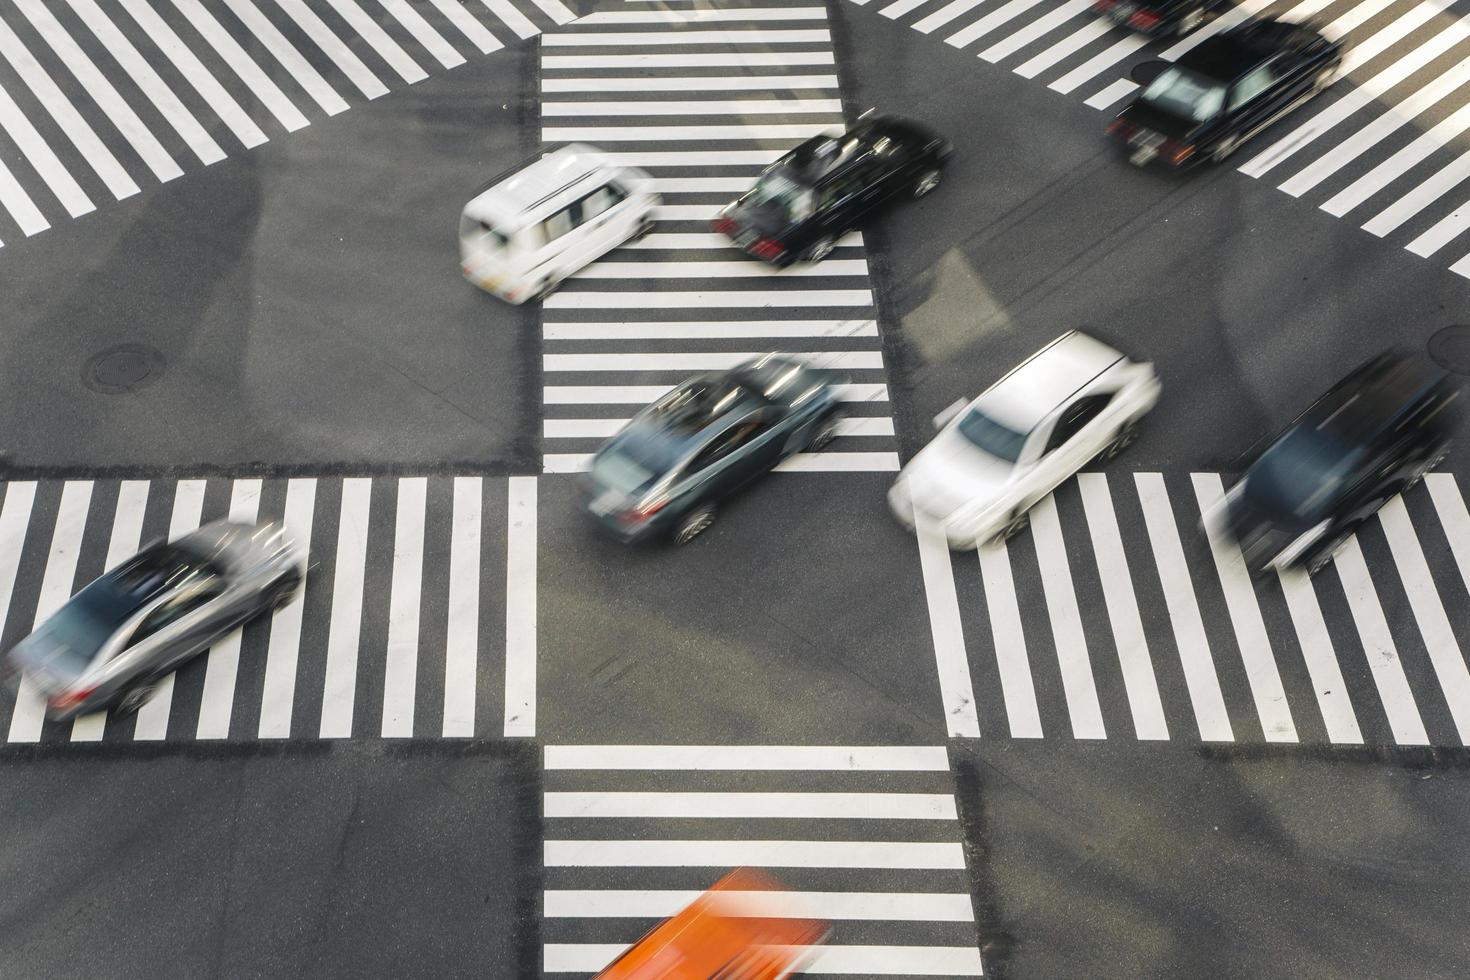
{"points": [[118, 636]]}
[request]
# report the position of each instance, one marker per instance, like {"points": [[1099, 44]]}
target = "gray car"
{"points": [[114, 639]]}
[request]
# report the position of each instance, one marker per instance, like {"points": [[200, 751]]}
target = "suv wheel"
{"points": [[927, 181], [694, 523], [819, 249]]}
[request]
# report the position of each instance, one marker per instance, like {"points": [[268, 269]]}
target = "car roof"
{"points": [[1230, 54], [1047, 379], [827, 155], [531, 192], [694, 412], [1374, 397]]}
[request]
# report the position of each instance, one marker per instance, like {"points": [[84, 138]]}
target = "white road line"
{"points": [[749, 758], [282, 50], [896, 10], [148, 81], [332, 46], [400, 672], [603, 428], [609, 39], [1117, 585], [127, 534], [708, 329], [944, 15], [1434, 625], [220, 101], [512, 18], [743, 806], [259, 83], [753, 59], [339, 688], [520, 609], [378, 39], [754, 853], [1367, 92], [711, 299], [56, 588], [557, 11], [151, 722], [98, 157], [1399, 164], [1327, 683], [705, 15], [15, 517], [1097, 64], [693, 185], [1000, 15], [951, 661], [279, 689], [1431, 189], [1378, 647], [717, 83], [1111, 94], [1184, 616], [216, 704], [1448, 505], [18, 202], [461, 651], [471, 28], [721, 270], [662, 134], [1442, 232], [839, 462], [694, 107], [1246, 622], [723, 159], [643, 394], [842, 906], [1022, 713], [1066, 621], [1232, 16], [871, 360], [929, 961], [1034, 30], [107, 98], [431, 40], [1079, 38]]}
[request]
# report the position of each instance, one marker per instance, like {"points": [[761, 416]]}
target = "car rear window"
{"points": [[489, 237], [1183, 93]]}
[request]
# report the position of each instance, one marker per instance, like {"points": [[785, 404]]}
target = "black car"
{"points": [[1373, 435], [1223, 91], [805, 201], [1177, 17], [667, 470]]}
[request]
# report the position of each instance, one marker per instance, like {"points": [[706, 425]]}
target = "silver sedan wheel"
{"points": [[694, 524], [134, 699], [820, 249], [926, 183]]}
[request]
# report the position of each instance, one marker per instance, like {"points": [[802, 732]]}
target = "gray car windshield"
{"points": [[989, 435], [1182, 93]]}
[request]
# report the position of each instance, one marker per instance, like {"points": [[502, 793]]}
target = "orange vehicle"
{"points": [[736, 929]]}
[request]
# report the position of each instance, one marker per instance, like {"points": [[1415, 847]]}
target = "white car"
{"points": [[1072, 401]]}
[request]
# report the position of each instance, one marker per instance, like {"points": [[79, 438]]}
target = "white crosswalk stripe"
{"points": [[866, 838], [105, 64], [681, 299]]}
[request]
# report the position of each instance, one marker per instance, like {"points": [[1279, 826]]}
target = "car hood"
{"points": [[237, 547], [1166, 123], [950, 473]]}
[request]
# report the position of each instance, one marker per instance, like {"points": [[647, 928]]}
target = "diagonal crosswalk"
{"points": [[1385, 146], [119, 97], [867, 837], [702, 99]]}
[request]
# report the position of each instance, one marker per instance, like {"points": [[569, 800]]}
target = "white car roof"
{"points": [[538, 189], [1046, 380]]}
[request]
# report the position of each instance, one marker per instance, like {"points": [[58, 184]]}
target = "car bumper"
{"points": [[959, 535]]}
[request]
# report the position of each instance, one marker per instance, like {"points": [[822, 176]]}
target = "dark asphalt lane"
{"points": [[343, 860], [305, 297]]}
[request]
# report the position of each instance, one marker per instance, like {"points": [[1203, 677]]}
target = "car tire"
{"points": [[1225, 149], [927, 182], [1327, 76], [825, 433], [1323, 558], [1126, 437], [286, 591], [694, 523], [1190, 21], [819, 249], [134, 698], [643, 229], [1016, 526], [1418, 476]]}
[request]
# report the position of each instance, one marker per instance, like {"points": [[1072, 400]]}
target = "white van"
{"points": [[531, 230]]}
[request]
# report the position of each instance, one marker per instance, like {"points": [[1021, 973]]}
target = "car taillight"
{"points": [[723, 225], [1119, 127], [72, 698], [636, 515], [768, 249], [1178, 152], [1103, 6], [1144, 20]]}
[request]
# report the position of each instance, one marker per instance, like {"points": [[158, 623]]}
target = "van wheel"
{"points": [[819, 249], [134, 699], [694, 523], [826, 432], [927, 181]]}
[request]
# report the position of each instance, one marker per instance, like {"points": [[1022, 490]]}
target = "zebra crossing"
{"points": [[385, 639], [701, 98], [99, 101], [1383, 146], [867, 837], [1115, 618]]}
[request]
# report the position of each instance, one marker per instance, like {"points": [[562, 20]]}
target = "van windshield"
{"points": [[486, 236]]}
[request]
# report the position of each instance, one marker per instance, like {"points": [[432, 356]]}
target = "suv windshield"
{"points": [[777, 194], [1183, 93], [992, 437]]}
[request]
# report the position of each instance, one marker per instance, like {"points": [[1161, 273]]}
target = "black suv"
{"points": [[1223, 91], [1373, 435], [805, 201], [1155, 17]]}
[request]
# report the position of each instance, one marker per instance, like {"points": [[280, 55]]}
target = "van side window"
{"points": [[600, 200], [563, 221]]}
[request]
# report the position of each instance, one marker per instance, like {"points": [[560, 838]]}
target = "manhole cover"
{"points": [[1450, 348], [127, 367]]}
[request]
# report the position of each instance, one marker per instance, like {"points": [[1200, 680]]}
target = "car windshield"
{"points": [[1183, 93], [989, 435], [777, 194], [1304, 473]]}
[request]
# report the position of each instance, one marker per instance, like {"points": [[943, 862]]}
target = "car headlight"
{"points": [[1289, 555]]}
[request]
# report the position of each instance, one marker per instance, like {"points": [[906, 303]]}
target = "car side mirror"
{"points": [[1146, 71], [948, 415]]}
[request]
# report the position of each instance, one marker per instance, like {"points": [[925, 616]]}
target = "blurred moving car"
{"points": [[666, 471], [1372, 436], [112, 640], [807, 200], [739, 928], [526, 232], [1073, 401], [1177, 17], [1223, 91]]}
